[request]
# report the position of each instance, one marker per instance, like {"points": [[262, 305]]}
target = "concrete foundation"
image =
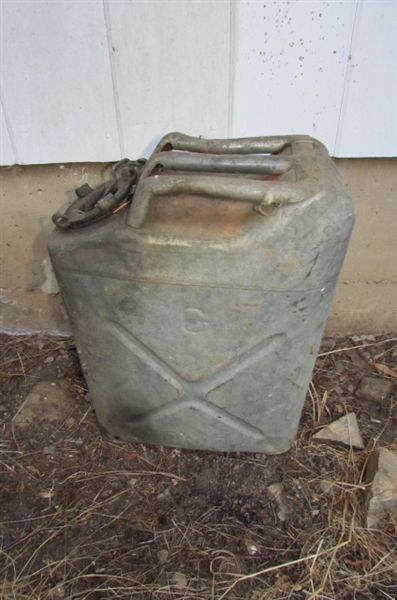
{"points": [[365, 301]]}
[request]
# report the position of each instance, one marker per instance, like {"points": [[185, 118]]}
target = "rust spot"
{"points": [[195, 217], [198, 217]]}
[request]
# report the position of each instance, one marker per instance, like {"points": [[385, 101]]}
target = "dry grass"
{"points": [[102, 521]]}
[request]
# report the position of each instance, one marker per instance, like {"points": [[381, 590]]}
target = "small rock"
{"points": [[165, 496], [381, 491], [338, 390], [45, 402], [366, 354], [251, 547], [350, 388], [344, 432], [365, 337], [276, 491], [357, 359], [374, 389], [49, 449], [339, 366], [3, 408], [162, 556], [326, 486], [179, 581], [48, 360]]}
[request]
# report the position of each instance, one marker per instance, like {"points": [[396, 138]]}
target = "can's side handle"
{"points": [[259, 193], [218, 163], [247, 145]]}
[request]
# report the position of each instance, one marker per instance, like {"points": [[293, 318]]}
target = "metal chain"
{"points": [[94, 204]]}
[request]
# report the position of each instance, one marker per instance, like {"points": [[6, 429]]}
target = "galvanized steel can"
{"points": [[198, 310]]}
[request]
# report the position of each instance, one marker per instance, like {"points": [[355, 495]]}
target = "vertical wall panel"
{"points": [[171, 67], [290, 67], [56, 81], [368, 125], [94, 81], [7, 156]]}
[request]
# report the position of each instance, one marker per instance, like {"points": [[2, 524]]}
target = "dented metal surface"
{"points": [[198, 310]]}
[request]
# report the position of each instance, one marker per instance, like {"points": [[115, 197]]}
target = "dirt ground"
{"points": [[82, 518]]}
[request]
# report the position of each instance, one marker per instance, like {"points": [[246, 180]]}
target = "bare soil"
{"points": [[82, 518]]}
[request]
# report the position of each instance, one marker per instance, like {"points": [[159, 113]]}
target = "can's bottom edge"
{"points": [[270, 451]]}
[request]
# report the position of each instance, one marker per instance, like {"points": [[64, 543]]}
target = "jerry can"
{"points": [[198, 306]]}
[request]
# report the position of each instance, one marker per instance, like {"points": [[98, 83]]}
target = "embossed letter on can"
{"points": [[195, 320]]}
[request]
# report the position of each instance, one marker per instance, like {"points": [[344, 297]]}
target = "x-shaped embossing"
{"points": [[194, 394]]}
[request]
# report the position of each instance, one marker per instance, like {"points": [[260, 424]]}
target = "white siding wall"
{"points": [[368, 118], [98, 80], [56, 82], [290, 66], [170, 65]]}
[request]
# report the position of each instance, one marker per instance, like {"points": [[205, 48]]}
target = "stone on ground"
{"points": [[326, 486], [179, 581], [162, 556], [276, 491], [381, 491], [343, 432], [374, 389], [46, 402]]}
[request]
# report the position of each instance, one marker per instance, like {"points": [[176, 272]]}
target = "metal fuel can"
{"points": [[199, 306]]}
